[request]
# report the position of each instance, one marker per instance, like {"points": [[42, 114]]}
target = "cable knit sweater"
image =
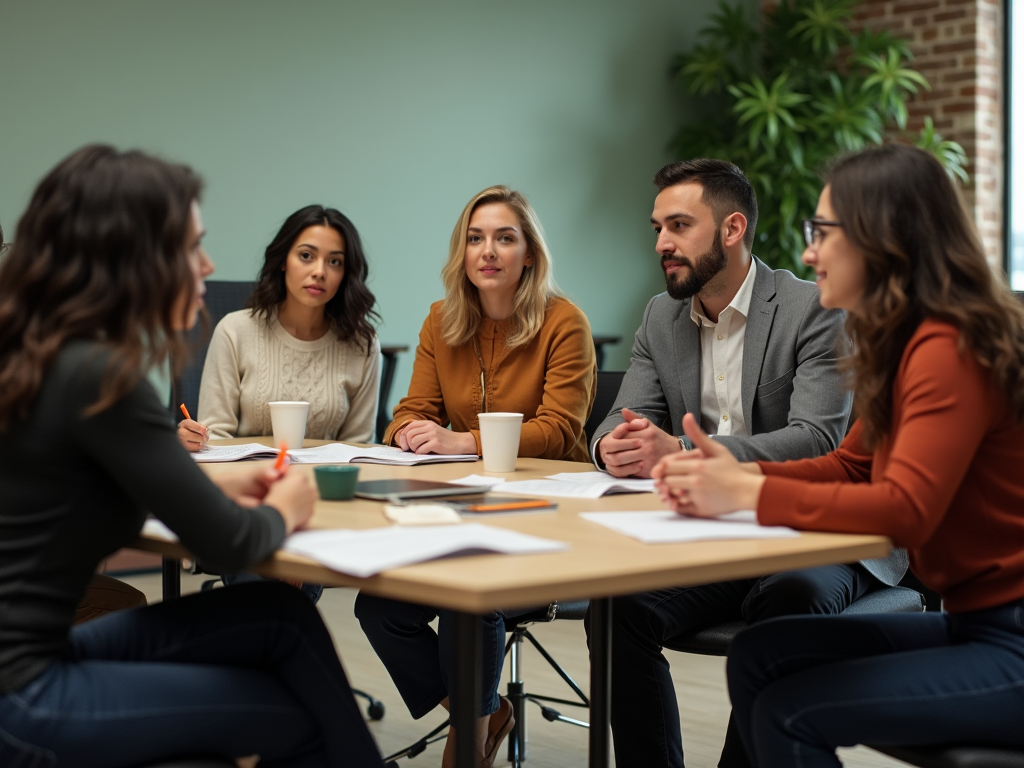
{"points": [[251, 363], [551, 380]]}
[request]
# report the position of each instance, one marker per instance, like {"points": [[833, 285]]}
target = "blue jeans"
{"points": [[226, 673], [801, 687], [312, 591], [420, 661], [644, 710]]}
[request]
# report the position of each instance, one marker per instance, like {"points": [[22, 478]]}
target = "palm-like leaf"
{"points": [[949, 153], [768, 109], [824, 25], [892, 82], [869, 42], [729, 26], [704, 70], [851, 119]]}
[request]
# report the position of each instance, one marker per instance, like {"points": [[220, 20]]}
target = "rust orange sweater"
{"points": [[948, 484], [551, 380]]}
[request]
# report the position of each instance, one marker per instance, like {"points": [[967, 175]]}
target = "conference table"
{"points": [[599, 564]]}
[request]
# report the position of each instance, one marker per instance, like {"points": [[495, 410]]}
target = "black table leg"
{"points": [[171, 578], [600, 681], [465, 698]]}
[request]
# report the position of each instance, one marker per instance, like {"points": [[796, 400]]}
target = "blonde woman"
{"points": [[503, 339]]}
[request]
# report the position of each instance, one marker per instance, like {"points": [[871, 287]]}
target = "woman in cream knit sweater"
{"points": [[306, 336]]}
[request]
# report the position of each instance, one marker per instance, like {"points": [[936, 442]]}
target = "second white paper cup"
{"points": [[499, 439], [288, 418]]}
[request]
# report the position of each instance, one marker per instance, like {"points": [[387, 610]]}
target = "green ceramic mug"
{"points": [[336, 482]]}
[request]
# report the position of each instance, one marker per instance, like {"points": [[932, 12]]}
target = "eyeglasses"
{"points": [[812, 231], [4, 248]]}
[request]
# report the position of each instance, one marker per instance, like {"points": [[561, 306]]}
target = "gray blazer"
{"points": [[794, 402]]}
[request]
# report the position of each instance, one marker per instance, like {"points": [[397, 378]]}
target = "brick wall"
{"points": [[958, 47]]}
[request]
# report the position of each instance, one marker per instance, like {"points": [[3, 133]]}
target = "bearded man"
{"points": [[750, 352]]}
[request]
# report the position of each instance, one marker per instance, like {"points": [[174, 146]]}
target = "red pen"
{"points": [[184, 411], [282, 455]]}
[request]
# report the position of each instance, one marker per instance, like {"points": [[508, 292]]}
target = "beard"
{"points": [[708, 264]]}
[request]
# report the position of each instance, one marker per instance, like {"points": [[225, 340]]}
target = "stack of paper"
{"points": [[662, 526], [332, 453], [579, 485], [365, 553]]}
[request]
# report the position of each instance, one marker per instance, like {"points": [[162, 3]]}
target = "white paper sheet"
{"points": [[478, 480], [157, 530], [576, 490], [663, 526], [365, 553]]}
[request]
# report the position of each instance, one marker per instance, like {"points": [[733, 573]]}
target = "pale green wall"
{"points": [[395, 111]]}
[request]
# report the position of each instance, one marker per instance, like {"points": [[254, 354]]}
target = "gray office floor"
{"points": [[700, 686]]}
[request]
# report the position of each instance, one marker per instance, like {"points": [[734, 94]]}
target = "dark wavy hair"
{"points": [[99, 254], [923, 260], [350, 310]]}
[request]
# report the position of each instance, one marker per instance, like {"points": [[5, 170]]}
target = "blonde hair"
{"points": [[461, 311]]}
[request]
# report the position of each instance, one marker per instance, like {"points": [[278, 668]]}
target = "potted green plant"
{"points": [[782, 98]]}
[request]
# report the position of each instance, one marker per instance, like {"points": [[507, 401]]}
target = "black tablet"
{"points": [[386, 490]]}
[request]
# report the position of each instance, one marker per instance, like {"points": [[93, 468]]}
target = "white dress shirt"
{"points": [[721, 362]]}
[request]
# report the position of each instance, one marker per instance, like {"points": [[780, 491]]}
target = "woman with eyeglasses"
{"points": [[106, 274], [933, 462]]}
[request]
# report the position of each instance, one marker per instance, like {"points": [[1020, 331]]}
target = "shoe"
{"points": [[500, 725]]}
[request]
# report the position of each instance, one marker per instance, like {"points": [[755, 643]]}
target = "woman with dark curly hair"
{"points": [[106, 274], [933, 462], [305, 336]]}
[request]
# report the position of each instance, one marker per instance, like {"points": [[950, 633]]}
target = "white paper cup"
{"points": [[499, 438], [288, 418]]}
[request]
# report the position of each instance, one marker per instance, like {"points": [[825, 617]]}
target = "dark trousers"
{"points": [[227, 673], [801, 687], [644, 710], [312, 591], [422, 662]]}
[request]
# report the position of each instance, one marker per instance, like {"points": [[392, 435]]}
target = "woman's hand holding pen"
{"points": [[191, 434], [294, 497], [290, 493], [707, 481]]}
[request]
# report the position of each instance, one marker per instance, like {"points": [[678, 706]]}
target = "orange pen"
{"points": [[282, 454], [184, 411]]}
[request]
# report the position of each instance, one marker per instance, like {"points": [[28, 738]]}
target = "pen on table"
{"points": [[282, 454]]}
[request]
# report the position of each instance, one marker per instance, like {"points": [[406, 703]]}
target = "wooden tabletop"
{"points": [[600, 562]]}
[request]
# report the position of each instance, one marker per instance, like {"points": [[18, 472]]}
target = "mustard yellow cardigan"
{"points": [[551, 380]]}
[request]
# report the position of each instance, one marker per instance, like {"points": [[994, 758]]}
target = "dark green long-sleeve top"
{"points": [[73, 490]]}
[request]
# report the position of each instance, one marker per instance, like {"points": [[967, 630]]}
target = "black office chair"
{"points": [[516, 626], [608, 384], [715, 640], [222, 298]]}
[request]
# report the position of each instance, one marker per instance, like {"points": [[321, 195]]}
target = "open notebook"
{"points": [[579, 485], [333, 453]]}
